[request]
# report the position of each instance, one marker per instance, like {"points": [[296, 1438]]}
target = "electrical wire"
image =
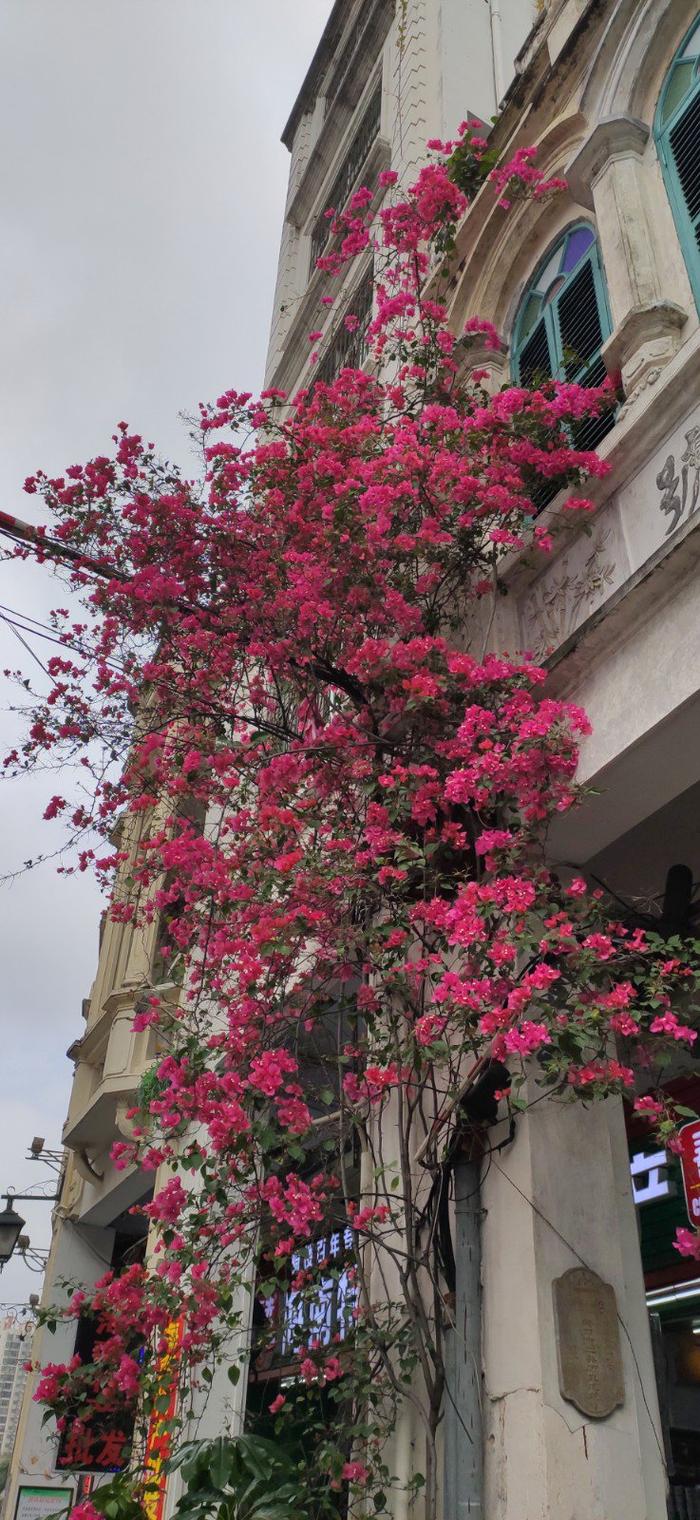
{"points": [[14, 630], [19, 620]]}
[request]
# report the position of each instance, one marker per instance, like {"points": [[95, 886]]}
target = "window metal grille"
{"points": [[348, 350], [344, 182]]}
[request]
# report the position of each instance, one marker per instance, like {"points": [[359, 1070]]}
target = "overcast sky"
{"points": [[142, 185]]}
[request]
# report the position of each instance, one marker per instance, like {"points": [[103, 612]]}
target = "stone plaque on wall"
{"points": [[588, 1343]]}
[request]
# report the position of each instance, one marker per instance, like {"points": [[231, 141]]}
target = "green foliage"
{"points": [[120, 1499], [150, 1087], [469, 168], [237, 1478]]}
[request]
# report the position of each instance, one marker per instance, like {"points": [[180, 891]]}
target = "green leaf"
{"points": [[221, 1462], [234, 1375]]}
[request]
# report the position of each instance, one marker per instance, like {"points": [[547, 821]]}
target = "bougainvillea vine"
{"points": [[328, 808]]}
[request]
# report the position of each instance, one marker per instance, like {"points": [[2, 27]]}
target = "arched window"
{"points": [[678, 143], [563, 321]]}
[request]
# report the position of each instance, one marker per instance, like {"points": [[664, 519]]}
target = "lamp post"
{"points": [[11, 1226]]}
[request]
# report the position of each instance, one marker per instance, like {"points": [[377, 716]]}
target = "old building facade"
{"points": [[609, 272], [609, 91]]}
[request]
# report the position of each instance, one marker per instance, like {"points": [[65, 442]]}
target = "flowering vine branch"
{"points": [[336, 815]]}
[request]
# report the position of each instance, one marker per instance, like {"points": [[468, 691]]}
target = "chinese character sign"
{"points": [[321, 1312], [649, 1180], [690, 1167], [93, 1446], [158, 1443]]}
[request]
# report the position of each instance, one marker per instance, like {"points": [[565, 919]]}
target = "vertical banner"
{"points": [[689, 1137], [158, 1441]]}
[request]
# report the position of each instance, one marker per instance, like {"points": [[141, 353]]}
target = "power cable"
{"points": [[14, 630]]}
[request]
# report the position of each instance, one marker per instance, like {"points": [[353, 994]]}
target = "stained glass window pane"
{"points": [[692, 47], [679, 84], [576, 244], [531, 313], [554, 288], [550, 271]]}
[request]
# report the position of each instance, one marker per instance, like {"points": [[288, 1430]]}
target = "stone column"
{"points": [[606, 175], [560, 1197], [473, 353]]}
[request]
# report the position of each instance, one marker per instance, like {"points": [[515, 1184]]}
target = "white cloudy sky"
{"points": [[141, 190]]}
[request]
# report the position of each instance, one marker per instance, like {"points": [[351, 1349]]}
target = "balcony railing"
{"points": [[344, 182]]}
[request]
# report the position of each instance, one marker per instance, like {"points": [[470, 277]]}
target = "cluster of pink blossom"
{"points": [[335, 813]]}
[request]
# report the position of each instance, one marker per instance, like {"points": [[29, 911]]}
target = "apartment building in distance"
{"points": [[609, 91], [15, 1339]]}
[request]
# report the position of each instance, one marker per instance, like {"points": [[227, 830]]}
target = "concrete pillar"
{"points": [[463, 1490], [472, 353], [558, 1197], [606, 175]]}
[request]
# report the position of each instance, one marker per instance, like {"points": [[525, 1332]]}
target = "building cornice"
{"points": [[332, 33]]}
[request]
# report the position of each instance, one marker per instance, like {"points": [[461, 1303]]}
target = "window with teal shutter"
{"points": [[563, 321], [678, 143]]}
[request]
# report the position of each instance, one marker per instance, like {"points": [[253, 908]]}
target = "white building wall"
{"points": [[615, 614], [440, 61], [76, 1255]]}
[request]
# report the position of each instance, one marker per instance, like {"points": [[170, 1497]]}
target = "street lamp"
{"points": [[11, 1226], [11, 1223]]}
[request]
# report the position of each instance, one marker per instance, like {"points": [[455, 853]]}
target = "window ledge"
{"points": [[599, 564], [642, 344]]}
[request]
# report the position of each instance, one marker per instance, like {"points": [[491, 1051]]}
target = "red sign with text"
{"points": [[689, 1138], [158, 1442]]}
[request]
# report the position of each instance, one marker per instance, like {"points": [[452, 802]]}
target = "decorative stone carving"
{"points": [[642, 343], [663, 497], [616, 136], [591, 1374], [579, 581], [474, 353]]}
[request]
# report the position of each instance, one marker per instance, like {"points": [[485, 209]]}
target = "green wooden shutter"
{"points": [[678, 142], [583, 323], [566, 340], [535, 359], [684, 145], [579, 325]]}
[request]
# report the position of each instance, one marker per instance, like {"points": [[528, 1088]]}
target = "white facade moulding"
{"points": [[293, 370], [341, 113]]}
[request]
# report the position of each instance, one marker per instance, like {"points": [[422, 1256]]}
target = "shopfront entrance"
{"points": [[672, 1285]]}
